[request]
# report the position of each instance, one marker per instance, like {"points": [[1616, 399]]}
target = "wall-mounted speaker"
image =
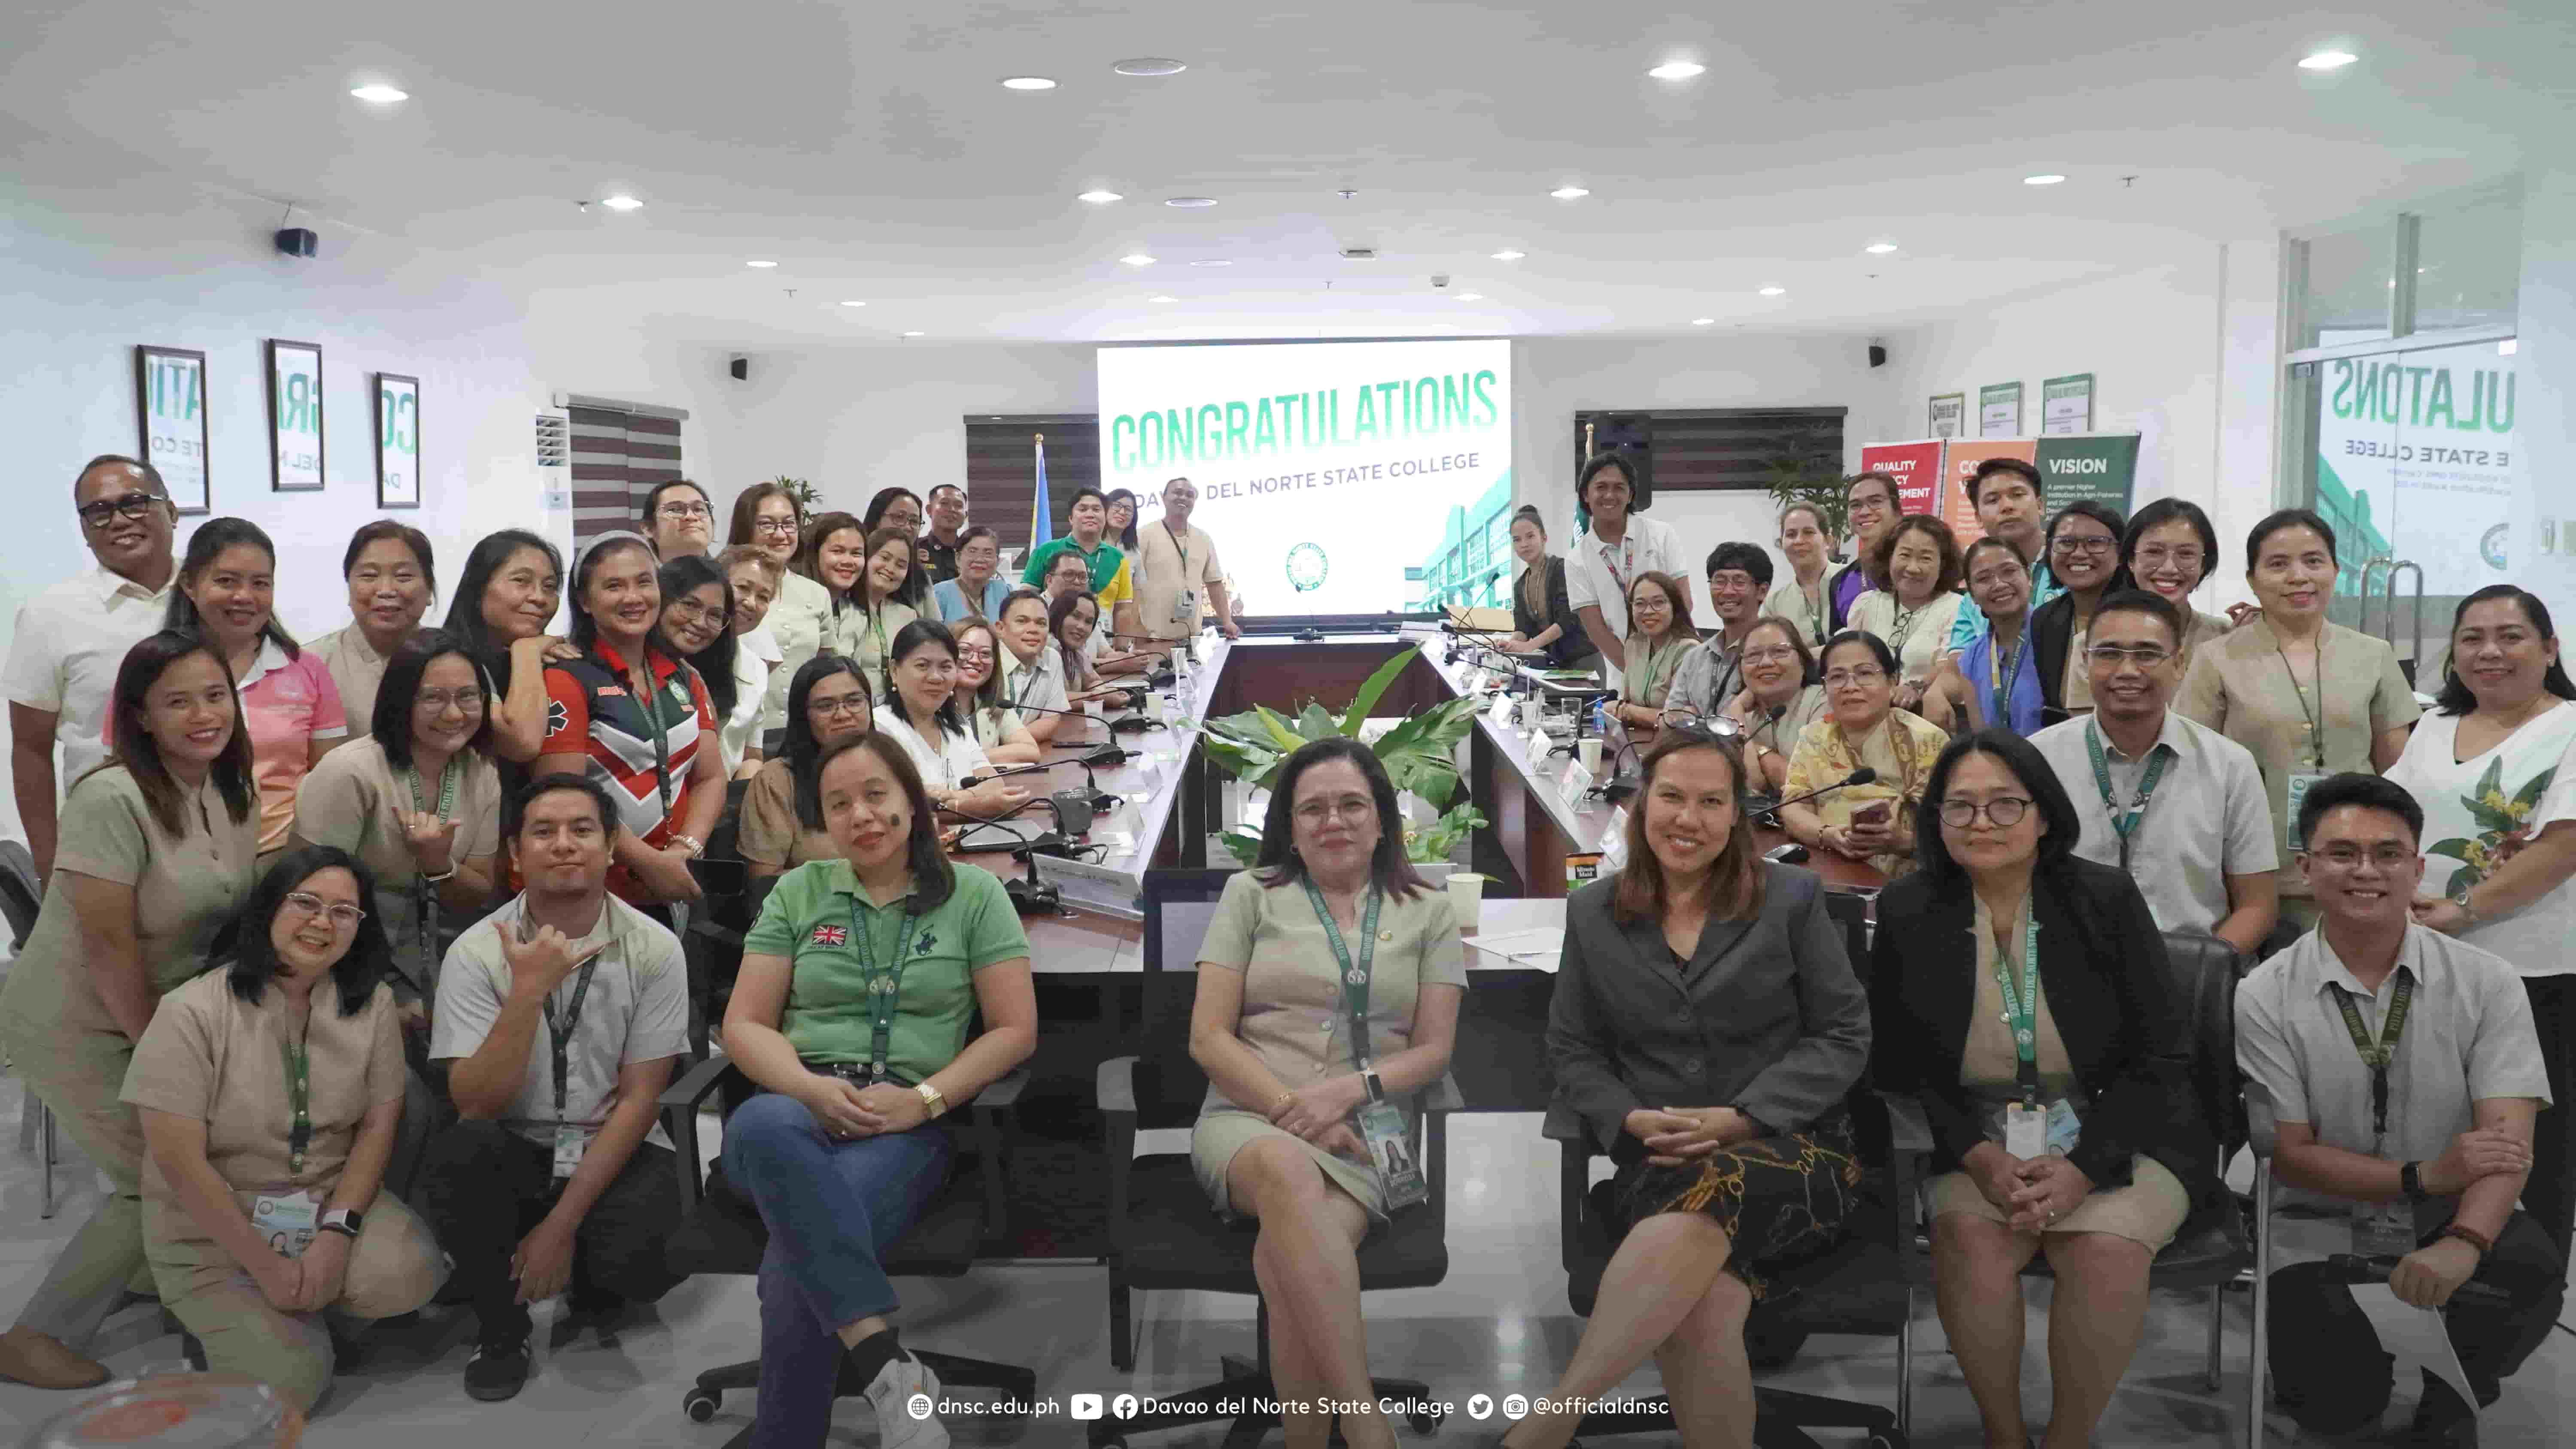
{"points": [[741, 369], [297, 241], [1878, 354]]}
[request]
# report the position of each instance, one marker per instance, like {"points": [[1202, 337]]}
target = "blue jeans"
{"points": [[833, 1208]]}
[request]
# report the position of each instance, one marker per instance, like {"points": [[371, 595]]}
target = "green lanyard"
{"points": [[299, 1096], [2125, 822], [424, 895], [2021, 1005], [885, 989], [2316, 727], [1355, 976], [876, 630], [2377, 1055], [2007, 671]]}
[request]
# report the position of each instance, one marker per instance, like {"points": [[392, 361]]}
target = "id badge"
{"points": [[2025, 1131], [2064, 1131], [2383, 1229], [570, 1144], [1398, 1175], [287, 1220], [2298, 783], [1185, 606]]}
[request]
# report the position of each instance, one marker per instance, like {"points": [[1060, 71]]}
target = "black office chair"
{"points": [[1162, 1232], [721, 1230], [712, 945]]}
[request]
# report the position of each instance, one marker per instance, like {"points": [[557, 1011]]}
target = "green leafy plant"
{"points": [[1419, 754], [808, 498], [1806, 466]]}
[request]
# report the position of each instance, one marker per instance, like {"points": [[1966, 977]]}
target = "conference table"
{"points": [[1546, 817]]}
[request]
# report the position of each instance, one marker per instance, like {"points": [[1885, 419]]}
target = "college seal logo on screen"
{"points": [[1307, 568]]}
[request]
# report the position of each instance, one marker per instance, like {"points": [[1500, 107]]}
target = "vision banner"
{"points": [[2100, 466]]}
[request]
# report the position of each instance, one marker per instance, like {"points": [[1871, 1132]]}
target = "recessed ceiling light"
{"points": [[2508, 347], [1569, 193], [1137, 259], [2045, 178], [380, 94], [1471, 296], [1775, 291], [854, 304], [914, 334], [1027, 83], [2327, 60], [1166, 299], [621, 202], [1677, 70], [1879, 249], [1702, 321], [1189, 201], [1508, 255], [760, 264], [1213, 262], [1100, 198], [1149, 65]]}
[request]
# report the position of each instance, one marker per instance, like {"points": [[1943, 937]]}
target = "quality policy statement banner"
{"points": [[1965, 454], [1916, 467], [1325, 470], [2416, 457], [2100, 466]]}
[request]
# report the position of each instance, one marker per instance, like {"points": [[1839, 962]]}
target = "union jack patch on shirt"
{"points": [[831, 935]]}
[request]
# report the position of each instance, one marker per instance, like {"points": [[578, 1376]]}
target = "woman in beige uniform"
{"points": [[392, 577], [156, 851], [268, 1092], [782, 810]]}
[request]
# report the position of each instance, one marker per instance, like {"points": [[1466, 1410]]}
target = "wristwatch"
{"points": [[341, 1221], [2411, 1178], [931, 1099]]}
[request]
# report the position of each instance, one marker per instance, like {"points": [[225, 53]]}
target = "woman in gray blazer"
{"points": [[1705, 1029]]}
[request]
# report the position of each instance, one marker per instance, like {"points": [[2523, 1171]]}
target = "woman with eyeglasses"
{"points": [[512, 586], [976, 592], [979, 697], [2494, 768], [920, 713], [2310, 698], [269, 1090], [1329, 983], [697, 617], [1659, 635], [1994, 681], [418, 802], [753, 576], [1780, 698], [1915, 600], [2169, 549], [291, 709], [155, 852], [782, 815], [630, 714], [392, 579], [1861, 726], [2084, 559], [2043, 1042], [679, 519], [766, 517]]}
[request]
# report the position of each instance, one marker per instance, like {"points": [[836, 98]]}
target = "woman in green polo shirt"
{"points": [[851, 1011]]}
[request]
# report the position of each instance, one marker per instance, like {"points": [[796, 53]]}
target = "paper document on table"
{"points": [[1545, 944]]}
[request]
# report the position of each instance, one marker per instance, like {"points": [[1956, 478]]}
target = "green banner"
{"points": [[2102, 467]]}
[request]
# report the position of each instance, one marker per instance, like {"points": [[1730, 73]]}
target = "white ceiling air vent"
{"points": [[554, 440], [1359, 254]]}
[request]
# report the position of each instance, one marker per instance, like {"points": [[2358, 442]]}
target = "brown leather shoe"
{"points": [[42, 1361]]}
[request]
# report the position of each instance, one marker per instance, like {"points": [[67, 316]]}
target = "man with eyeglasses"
{"points": [[561, 1016], [2404, 1076], [1711, 675], [678, 519], [72, 637], [2177, 805], [1869, 501], [946, 533], [2005, 492]]}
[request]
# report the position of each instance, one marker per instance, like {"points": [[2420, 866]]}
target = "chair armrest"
{"points": [[1909, 1129], [715, 935], [1443, 1096], [693, 1085], [1005, 1093], [989, 1118], [1909, 1140], [1113, 1088], [679, 1103]]}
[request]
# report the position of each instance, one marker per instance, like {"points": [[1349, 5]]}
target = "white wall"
{"points": [[2545, 355], [84, 278]]}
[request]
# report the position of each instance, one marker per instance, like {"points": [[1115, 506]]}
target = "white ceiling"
{"points": [[870, 151]]}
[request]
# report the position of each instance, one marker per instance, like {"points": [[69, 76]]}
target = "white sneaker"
{"points": [[896, 1392]]}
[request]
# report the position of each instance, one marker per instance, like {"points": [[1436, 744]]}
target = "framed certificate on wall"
{"points": [[170, 415], [397, 441], [294, 416]]}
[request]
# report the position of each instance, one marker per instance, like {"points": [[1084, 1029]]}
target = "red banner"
{"points": [[1916, 467]]}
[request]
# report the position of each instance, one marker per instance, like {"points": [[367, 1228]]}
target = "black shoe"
{"points": [[2441, 1421], [498, 1371]]}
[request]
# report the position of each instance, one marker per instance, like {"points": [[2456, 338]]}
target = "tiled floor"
{"points": [[1498, 1325]]}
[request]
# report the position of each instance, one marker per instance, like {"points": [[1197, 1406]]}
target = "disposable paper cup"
{"points": [[1531, 711], [1153, 704], [1467, 893], [1588, 750]]}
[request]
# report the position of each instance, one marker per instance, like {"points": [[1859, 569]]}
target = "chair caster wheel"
{"points": [[1426, 1422], [1110, 1444], [1882, 1441], [699, 1405]]}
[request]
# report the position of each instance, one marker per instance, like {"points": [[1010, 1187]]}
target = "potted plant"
{"points": [[1419, 753], [1805, 468]]}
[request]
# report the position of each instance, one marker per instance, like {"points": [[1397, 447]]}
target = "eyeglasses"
{"points": [[133, 507], [972, 655], [436, 701], [848, 704], [1777, 654], [343, 915], [686, 510], [2004, 811], [1316, 812], [2097, 547], [697, 613], [1991, 577], [2110, 656], [2156, 555], [2350, 857], [775, 527], [1865, 674]]}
